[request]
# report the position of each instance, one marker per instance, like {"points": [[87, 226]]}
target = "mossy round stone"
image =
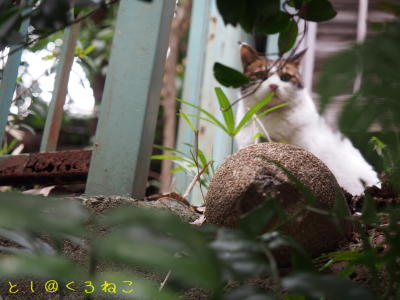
{"points": [[254, 174]]}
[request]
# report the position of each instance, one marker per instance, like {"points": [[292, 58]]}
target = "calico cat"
{"points": [[298, 123]]}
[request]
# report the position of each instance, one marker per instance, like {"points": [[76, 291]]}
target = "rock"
{"points": [[247, 178]]}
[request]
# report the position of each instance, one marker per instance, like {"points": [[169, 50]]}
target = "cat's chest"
{"points": [[289, 123]]}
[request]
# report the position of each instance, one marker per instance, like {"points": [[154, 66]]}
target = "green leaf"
{"points": [[256, 221], [39, 266], [174, 157], [229, 77], [177, 169], [272, 109], [273, 24], [207, 120], [295, 3], [185, 117], [202, 118], [257, 10], [339, 256], [287, 37], [317, 11], [145, 289], [89, 49], [27, 213], [231, 10], [257, 135], [252, 111], [317, 286], [159, 240], [240, 253], [378, 145], [212, 118], [48, 57], [369, 215], [202, 157], [226, 109], [168, 149], [248, 292]]}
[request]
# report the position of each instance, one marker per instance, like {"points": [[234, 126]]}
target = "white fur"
{"points": [[300, 124]]}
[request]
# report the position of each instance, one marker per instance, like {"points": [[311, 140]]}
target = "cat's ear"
{"points": [[297, 58], [248, 55]]}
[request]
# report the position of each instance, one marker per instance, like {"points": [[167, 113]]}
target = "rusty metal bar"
{"points": [[64, 167]]}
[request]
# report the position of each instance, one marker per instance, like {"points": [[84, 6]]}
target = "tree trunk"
{"points": [[180, 25]]}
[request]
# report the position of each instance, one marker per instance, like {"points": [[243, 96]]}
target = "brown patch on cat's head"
{"points": [[258, 67], [253, 64], [290, 73]]}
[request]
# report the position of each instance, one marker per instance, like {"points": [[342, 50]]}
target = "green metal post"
{"points": [[125, 132], [210, 41], [8, 82], [54, 116], [193, 79]]}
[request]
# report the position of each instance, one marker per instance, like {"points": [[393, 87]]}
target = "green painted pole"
{"points": [[125, 132], [193, 80], [8, 82], [222, 46]]}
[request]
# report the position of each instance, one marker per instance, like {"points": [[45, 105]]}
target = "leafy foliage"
{"points": [[190, 164], [46, 17], [229, 77], [376, 103], [205, 257], [325, 286], [317, 11], [230, 126], [287, 37], [270, 17]]}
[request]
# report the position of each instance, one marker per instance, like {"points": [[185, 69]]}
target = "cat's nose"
{"points": [[273, 87]]}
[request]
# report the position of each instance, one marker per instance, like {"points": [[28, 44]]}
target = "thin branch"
{"points": [[164, 281], [195, 179], [45, 35]]}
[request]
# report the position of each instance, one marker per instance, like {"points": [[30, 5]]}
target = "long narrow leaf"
{"points": [[177, 169], [168, 149], [174, 157], [202, 157], [214, 119], [253, 110], [209, 121], [226, 110], [185, 117], [272, 109]]}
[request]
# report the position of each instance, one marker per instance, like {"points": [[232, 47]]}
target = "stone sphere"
{"points": [[256, 173]]}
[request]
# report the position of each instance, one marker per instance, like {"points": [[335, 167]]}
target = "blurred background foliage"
{"points": [[33, 238], [371, 115], [165, 257]]}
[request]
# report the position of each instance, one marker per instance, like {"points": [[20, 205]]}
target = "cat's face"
{"points": [[281, 77]]}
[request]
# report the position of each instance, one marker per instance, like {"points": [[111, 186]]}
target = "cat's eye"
{"points": [[261, 75], [286, 77]]}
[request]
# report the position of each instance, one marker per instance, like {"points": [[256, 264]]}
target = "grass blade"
{"points": [[174, 157], [253, 110], [209, 121], [209, 115], [169, 149], [185, 117], [271, 109], [226, 109]]}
